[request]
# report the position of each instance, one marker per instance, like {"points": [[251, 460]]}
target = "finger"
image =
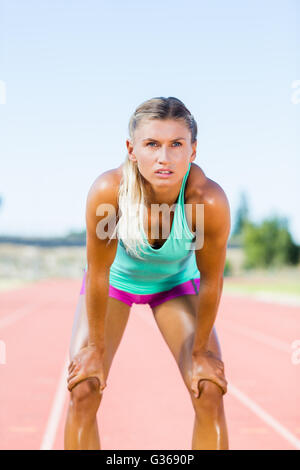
{"points": [[222, 383], [220, 372], [72, 383], [219, 380], [194, 386], [72, 375], [76, 380], [216, 381], [224, 387], [195, 391], [102, 384], [71, 367]]}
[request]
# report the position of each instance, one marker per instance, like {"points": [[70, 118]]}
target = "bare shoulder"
{"points": [[101, 209], [105, 187], [204, 190]]}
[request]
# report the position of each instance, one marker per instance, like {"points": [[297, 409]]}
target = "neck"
{"points": [[158, 196]]}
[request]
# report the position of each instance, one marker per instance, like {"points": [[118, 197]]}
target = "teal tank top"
{"points": [[163, 268]]}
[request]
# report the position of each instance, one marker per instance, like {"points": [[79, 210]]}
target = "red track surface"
{"points": [[145, 404]]}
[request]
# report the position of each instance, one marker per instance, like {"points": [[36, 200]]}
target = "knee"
{"points": [[210, 398], [85, 396]]}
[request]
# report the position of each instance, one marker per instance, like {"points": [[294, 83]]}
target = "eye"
{"points": [[149, 143]]}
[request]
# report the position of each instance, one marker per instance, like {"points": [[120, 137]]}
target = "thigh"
{"points": [[115, 322], [176, 320]]}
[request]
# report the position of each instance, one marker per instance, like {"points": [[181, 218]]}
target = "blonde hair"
{"points": [[132, 195]]}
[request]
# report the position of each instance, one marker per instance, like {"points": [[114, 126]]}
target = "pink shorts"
{"points": [[188, 287]]}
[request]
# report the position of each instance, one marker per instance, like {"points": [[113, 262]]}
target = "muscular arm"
{"points": [[211, 260], [100, 254]]}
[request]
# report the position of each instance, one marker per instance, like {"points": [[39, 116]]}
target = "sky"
{"points": [[72, 73]]}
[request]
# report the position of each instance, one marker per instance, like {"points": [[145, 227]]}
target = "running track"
{"points": [[145, 404]]}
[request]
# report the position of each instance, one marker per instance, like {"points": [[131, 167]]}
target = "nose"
{"points": [[163, 155]]}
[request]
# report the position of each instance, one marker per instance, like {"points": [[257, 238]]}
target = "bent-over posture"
{"points": [[157, 230]]}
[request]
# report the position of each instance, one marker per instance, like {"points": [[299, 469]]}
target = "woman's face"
{"points": [[162, 144]]}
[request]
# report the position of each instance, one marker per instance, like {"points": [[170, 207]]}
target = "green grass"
{"points": [[12, 284], [278, 287]]}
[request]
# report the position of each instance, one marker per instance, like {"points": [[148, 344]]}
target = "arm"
{"points": [[89, 362], [100, 254], [211, 262]]}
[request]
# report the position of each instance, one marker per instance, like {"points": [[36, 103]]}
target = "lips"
{"points": [[164, 175], [164, 170]]}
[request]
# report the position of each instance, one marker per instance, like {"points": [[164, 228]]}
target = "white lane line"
{"points": [[256, 335], [19, 313], [254, 407], [264, 416], [59, 399], [56, 410]]}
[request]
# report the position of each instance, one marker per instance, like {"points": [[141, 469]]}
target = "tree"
{"points": [[242, 215], [269, 243]]}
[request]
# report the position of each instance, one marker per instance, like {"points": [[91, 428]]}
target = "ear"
{"points": [[129, 146], [194, 147]]}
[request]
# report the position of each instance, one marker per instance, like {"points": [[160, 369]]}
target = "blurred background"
{"points": [[72, 73]]}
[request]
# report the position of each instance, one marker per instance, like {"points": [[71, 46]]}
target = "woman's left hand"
{"points": [[206, 366]]}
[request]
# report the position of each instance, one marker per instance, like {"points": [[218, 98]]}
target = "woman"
{"points": [[125, 266]]}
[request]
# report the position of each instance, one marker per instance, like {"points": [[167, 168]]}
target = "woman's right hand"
{"points": [[88, 362]]}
